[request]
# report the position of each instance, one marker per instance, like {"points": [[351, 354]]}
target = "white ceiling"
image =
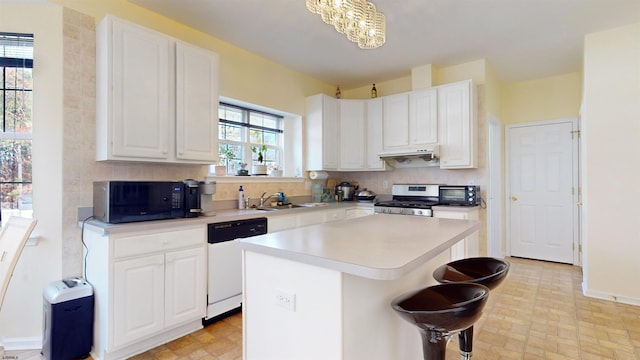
{"points": [[521, 39]]}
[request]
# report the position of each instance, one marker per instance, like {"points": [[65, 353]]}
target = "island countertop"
{"points": [[379, 247]]}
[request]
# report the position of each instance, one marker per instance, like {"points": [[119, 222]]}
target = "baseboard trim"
{"points": [[610, 297], [11, 344]]}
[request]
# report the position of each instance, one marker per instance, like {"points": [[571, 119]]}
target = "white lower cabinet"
{"points": [[469, 246], [333, 215], [277, 223], [358, 212], [281, 223], [138, 294], [150, 287], [184, 295]]}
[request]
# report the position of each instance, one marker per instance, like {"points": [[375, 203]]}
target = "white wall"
{"points": [[611, 160], [21, 314]]}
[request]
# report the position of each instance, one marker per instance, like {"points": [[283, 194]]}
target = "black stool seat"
{"points": [[439, 310], [487, 271]]}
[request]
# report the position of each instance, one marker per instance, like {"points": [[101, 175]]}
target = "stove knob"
{"points": [[418, 212]]}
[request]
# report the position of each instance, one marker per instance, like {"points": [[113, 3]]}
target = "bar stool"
{"points": [[487, 271], [440, 310]]}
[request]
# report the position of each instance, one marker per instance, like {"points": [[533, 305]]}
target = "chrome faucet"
{"points": [[263, 199]]}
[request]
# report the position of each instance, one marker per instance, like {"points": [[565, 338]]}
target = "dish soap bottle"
{"points": [[374, 92], [241, 198]]}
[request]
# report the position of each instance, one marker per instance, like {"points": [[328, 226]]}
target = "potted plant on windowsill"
{"points": [[260, 168], [227, 155]]}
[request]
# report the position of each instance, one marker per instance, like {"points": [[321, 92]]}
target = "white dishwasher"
{"points": [[224, 290]]}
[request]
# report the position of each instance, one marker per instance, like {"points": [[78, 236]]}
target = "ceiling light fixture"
{"points": [[357, 19]]}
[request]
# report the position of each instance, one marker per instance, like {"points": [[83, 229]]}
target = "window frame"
{"points": [[245, 125], [14, 57]]}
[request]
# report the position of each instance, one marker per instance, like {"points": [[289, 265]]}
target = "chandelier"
{"points": [[357, 19]]}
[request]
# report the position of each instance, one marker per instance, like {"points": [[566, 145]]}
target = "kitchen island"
{"points": [[323, 291]]}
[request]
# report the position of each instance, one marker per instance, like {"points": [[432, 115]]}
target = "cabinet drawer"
{"points": [[145, 243]]}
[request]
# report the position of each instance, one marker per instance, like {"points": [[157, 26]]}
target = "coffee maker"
{"points": [[207, 190], [192, 207]]}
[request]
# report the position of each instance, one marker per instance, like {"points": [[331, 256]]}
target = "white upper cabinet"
{"points": [[196, 103], [322, 133], [456, 126], [396, 122], [344, 135], [410, 120], [133, 92], [157, 98], [374, 135], [423, 117], [353, 133], [441, 116]]}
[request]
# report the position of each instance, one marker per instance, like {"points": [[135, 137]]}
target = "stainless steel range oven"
{"points": [[410, 199]]}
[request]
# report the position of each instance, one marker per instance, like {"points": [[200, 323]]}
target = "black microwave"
{"points": [[130, 201], [463, 195]]}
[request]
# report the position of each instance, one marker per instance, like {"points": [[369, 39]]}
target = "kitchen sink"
{"points": [[276, 208]]}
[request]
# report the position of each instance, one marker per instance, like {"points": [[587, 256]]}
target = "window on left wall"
{"points": [[16, 115]]}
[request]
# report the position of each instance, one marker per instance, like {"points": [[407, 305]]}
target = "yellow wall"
{"points": [[383, 88], [245, 76], [493, 88], [610, 163], [474, 70], [549, 98]]}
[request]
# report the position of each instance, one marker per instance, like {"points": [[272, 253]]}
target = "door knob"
{"points": [[514, 198]]}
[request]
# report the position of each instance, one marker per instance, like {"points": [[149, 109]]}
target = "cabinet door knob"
{"points": [[514, 198]]}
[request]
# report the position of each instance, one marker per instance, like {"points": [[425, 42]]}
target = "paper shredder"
{"points": [[68, 319]]}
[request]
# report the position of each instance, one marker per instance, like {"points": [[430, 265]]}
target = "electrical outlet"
{"points": [[385, 184], [285, 299]]}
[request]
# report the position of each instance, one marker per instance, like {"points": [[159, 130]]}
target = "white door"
{"points": [[542, 190]]}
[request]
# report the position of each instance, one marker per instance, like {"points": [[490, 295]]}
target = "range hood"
{"points": [[412, 158]]}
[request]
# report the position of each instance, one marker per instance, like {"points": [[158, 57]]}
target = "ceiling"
{"points": [[520, 39]]}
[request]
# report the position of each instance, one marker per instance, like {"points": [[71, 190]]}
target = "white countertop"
{"points": [[220, 216], [380, 247]]}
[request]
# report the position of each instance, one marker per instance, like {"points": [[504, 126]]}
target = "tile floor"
{"points": [[537, 313]]}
